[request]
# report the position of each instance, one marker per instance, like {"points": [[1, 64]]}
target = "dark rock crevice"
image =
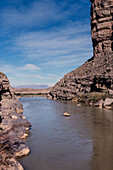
{"points": [[0, 119]]}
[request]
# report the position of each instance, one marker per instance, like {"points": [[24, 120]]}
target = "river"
{"points": [[83, 141]]}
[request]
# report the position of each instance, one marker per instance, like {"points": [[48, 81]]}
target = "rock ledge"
{"points": [[13, 127]]}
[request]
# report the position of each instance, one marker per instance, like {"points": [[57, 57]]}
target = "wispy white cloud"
{"points": [[43, 39], [10, 68], [48, 77], [62, 47], [67, 62], [37, 14], [29, 67], [23, 75], [6, 68], [55, 44], [53, 75]]}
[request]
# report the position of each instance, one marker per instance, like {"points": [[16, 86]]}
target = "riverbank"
{"points": [[97, 99], [28, 92], [31, 95], [14, 128]]}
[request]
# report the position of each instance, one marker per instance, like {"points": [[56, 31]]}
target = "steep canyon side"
{"points": [[102, 27], [96, 74], [13, 127]]}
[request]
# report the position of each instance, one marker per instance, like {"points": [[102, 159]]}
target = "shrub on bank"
{"points": [[91, 97]]}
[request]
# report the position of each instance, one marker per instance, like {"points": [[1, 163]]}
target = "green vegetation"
{"points": [[30, 94], [92, 97]]}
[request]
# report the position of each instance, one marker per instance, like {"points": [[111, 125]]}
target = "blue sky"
{"points": [[41, 40]]}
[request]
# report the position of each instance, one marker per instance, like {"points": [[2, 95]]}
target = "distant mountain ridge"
{"points": [[32, 86]]}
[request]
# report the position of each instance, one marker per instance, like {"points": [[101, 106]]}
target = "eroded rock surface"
{"points": [[12, 127], [102, 27], [95, 75]]}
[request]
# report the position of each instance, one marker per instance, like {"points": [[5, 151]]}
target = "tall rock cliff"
{"points": [[97, 73], [102, 26], [13, 127]]}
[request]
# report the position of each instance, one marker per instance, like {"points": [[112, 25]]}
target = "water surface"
{"points": [[83, 141]]}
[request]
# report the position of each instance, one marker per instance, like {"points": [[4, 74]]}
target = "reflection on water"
{"points": [[103, 141], [83, 141]]}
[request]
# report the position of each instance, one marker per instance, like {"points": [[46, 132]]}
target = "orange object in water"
{"points": [[66, 114]]}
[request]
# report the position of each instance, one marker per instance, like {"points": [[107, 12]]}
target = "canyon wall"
{"points": [[13, 127], [96, 74], [102, 27]]}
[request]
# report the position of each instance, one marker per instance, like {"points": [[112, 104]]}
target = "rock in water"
{"points": [[108, 102], [95, 75]]}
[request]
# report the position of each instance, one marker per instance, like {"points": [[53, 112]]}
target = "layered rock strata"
{"points": [[102, 27], [95, 75], [13, 127]]}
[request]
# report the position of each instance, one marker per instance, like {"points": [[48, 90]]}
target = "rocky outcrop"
{"points": [[102, 27], [12, 127], [95, 75]]}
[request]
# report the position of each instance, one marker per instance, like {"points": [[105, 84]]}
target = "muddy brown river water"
{"points": [[83, 141]]}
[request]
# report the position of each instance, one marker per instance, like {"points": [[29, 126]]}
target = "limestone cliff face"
{"points": [[102, 26], [97, 73], [13, 127]]}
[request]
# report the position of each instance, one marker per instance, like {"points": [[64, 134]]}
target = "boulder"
{"points": [[108, 102], [100, 103], [22, 151]]}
